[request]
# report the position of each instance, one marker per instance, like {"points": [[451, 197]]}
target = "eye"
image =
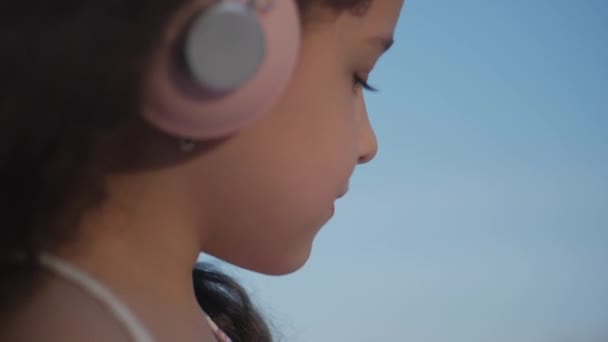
{"points": [[360, 82]]}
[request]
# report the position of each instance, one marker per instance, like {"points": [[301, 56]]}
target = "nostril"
{"points": [[367, 156]]}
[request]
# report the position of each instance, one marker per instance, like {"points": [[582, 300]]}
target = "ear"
{"points": [[221, 67]]}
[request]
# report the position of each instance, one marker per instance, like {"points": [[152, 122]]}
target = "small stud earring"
{"points": [[261, 5], [186, 144]]}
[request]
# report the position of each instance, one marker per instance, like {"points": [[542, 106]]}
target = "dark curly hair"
{"points": [[71, 73]]}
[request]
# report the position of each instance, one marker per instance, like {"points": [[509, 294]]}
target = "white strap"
{"points": [[122, 313]]}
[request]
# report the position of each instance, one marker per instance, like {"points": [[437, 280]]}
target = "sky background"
{"points": [[484, 216]]}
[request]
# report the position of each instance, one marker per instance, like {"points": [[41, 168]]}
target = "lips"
{"points": [[342, 194]]}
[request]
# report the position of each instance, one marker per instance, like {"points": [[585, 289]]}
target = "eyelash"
{"points": [[359, 81]]}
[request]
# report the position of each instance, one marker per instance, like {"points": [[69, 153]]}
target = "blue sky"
{"points": [[484, 216]]}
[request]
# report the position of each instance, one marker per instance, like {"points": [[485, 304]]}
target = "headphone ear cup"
{"points": [[222, 70], [215, 44]]}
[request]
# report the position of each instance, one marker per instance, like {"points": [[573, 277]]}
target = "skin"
{"points": [[256, 199], [285, 173]]}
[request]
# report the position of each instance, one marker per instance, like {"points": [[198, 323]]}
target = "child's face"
{"points": [[273, 186]]}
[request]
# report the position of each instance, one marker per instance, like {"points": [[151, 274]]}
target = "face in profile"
{"points": [[281, 176]]}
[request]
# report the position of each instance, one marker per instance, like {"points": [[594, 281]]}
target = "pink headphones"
{"points": [[224, 69]]}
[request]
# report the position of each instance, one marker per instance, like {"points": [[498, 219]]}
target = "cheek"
{"points": [[268, 222], [288, 168], [320, 102], [319, 126]]}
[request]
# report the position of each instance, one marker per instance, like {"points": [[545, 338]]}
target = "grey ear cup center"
{"points": [[224, 47]]}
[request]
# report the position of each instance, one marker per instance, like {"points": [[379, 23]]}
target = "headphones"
{"points": [[223, 69]]}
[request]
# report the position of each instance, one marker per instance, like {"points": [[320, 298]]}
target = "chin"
{"points": [[273, 265], [282, 265], [284, 268]]}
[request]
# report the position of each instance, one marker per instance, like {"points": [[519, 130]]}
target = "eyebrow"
{"points": [[384, 42]]}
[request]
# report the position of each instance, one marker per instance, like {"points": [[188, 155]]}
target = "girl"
{"points": [[127, 150]]}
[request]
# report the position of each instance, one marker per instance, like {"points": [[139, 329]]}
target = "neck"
{"points": [[146, 258]]}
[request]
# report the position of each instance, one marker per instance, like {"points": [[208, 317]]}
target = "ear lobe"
{"points": [[235, 63]]}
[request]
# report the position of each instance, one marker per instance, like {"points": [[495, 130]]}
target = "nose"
{"points": [[368, 143]]}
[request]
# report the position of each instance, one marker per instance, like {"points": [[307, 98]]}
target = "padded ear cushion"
{"points": [[231, 65]]}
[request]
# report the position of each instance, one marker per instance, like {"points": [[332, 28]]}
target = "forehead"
{"points": [[376, 17], [381, 15], [353, 33]]}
